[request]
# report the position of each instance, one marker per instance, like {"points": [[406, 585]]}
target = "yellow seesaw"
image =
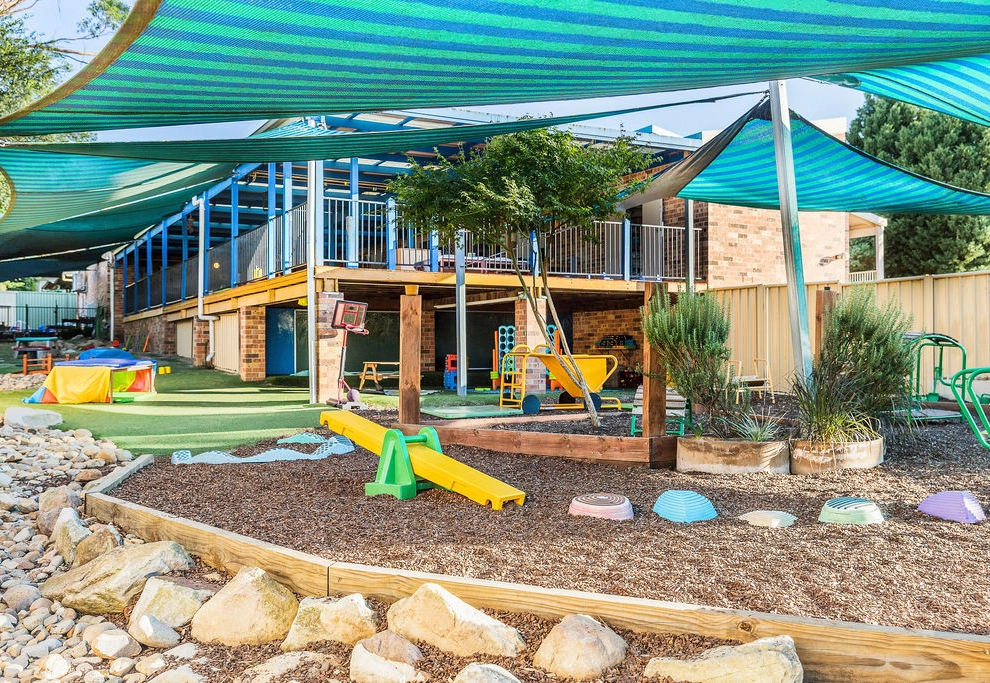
{"points": [[406, 460]]}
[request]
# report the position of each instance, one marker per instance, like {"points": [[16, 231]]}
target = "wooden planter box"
{"points": [[813, 457], [730, 456]]}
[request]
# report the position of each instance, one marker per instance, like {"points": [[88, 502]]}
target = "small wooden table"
{"points": [[371, 371], [35, 347]]}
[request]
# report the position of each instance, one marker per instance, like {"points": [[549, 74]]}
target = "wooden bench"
{"points": [[371, 371], [37, 366], [678, 412]]}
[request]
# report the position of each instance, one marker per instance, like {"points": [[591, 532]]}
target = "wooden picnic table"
{"points": [[371, 371]]}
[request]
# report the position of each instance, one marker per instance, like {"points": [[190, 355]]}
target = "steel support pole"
{"points": [[689, 246], [354, 222], [235, 231], [272, 212], [314, 227], [797, 303], [460, 297]]}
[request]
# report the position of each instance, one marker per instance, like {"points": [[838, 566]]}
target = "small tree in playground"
{"points": [[526, 184]]}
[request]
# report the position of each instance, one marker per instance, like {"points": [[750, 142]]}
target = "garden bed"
{"points": [[913, 571]]}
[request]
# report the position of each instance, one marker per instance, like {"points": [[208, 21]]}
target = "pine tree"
{"points": [[940, 147]]}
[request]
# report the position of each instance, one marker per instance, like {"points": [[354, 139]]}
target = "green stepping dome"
{"points": [[848, 510]]}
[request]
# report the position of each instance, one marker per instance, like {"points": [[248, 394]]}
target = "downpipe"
{"points": [[200, 315]]}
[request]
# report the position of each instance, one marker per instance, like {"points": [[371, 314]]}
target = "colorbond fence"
{"points": [[957, 305]]}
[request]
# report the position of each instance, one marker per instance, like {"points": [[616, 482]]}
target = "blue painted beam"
{"points": [[272, 211], [234, 232], [287, 204]]}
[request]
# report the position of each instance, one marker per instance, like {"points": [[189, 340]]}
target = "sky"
{"points": [[58, 18]]}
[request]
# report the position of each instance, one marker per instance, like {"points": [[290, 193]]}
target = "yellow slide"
{"points": [[427, 463]]}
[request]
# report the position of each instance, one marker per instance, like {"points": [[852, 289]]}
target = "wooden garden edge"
{"points": [[829, 650]]}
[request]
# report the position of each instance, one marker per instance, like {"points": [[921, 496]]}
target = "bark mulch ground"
{"points": [[912, 571]]}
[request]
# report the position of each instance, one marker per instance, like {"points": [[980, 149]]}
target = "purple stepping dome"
{"points": [[955, 506]]}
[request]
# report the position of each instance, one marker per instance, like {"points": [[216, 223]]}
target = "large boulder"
{"points": [[435, 616], [50, 505], [169, 602], [31, 418], [68, 533], [485, 673], [20, 596], [103, 539], [149, 631], [580, 648], [767, 660], [106, 585], [347, 620], [386, 657], [304, 666], [252, 609], [115, 643]]}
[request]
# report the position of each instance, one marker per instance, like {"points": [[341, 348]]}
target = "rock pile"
{"points": [[67, 582], [16, 381]]}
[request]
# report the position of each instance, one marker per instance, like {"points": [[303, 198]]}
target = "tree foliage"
{"points": [[941, 147], [32, 66], [535, 182], [691, 340]]}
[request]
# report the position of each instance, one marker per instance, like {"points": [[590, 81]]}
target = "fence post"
{"points": [[391, 234], [354, 214], [626, 249], [434, 251]]}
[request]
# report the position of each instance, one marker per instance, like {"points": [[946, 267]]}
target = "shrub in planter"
{"points": [[834, 431], [690, 338]]}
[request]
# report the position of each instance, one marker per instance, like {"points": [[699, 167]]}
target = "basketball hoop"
{"points": [[347, 316]]}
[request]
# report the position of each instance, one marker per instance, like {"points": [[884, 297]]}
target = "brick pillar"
{"points": [[428, 339], [528, 333], [201, 341], [251, 321], [118, 303], [167, 343], [329, 345]]}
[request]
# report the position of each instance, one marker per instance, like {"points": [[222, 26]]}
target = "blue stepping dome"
{"points": [[955, 506], [849, 510], [684, 507]]}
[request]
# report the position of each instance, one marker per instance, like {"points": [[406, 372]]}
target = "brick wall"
{"points": [[150, 335], [745, 246], [591, 326], [251, 322], [428, 340], [201, 341]]}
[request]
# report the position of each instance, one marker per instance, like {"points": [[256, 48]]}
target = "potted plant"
{"points": [[690, 338], [859, 384]]}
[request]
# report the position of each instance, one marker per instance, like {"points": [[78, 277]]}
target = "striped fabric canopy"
{"points": [[738, 167], [193, 61], [301, 143], [63, 202], [958, 87]]}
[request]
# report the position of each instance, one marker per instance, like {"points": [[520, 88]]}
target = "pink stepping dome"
{"points": [[955, 506], [604, 505]]}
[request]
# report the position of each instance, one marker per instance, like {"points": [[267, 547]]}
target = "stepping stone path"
{"points": [[61, 574]]}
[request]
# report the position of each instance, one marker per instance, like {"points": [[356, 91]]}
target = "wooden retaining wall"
{"points": [[829, 650], [655, 452]]}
